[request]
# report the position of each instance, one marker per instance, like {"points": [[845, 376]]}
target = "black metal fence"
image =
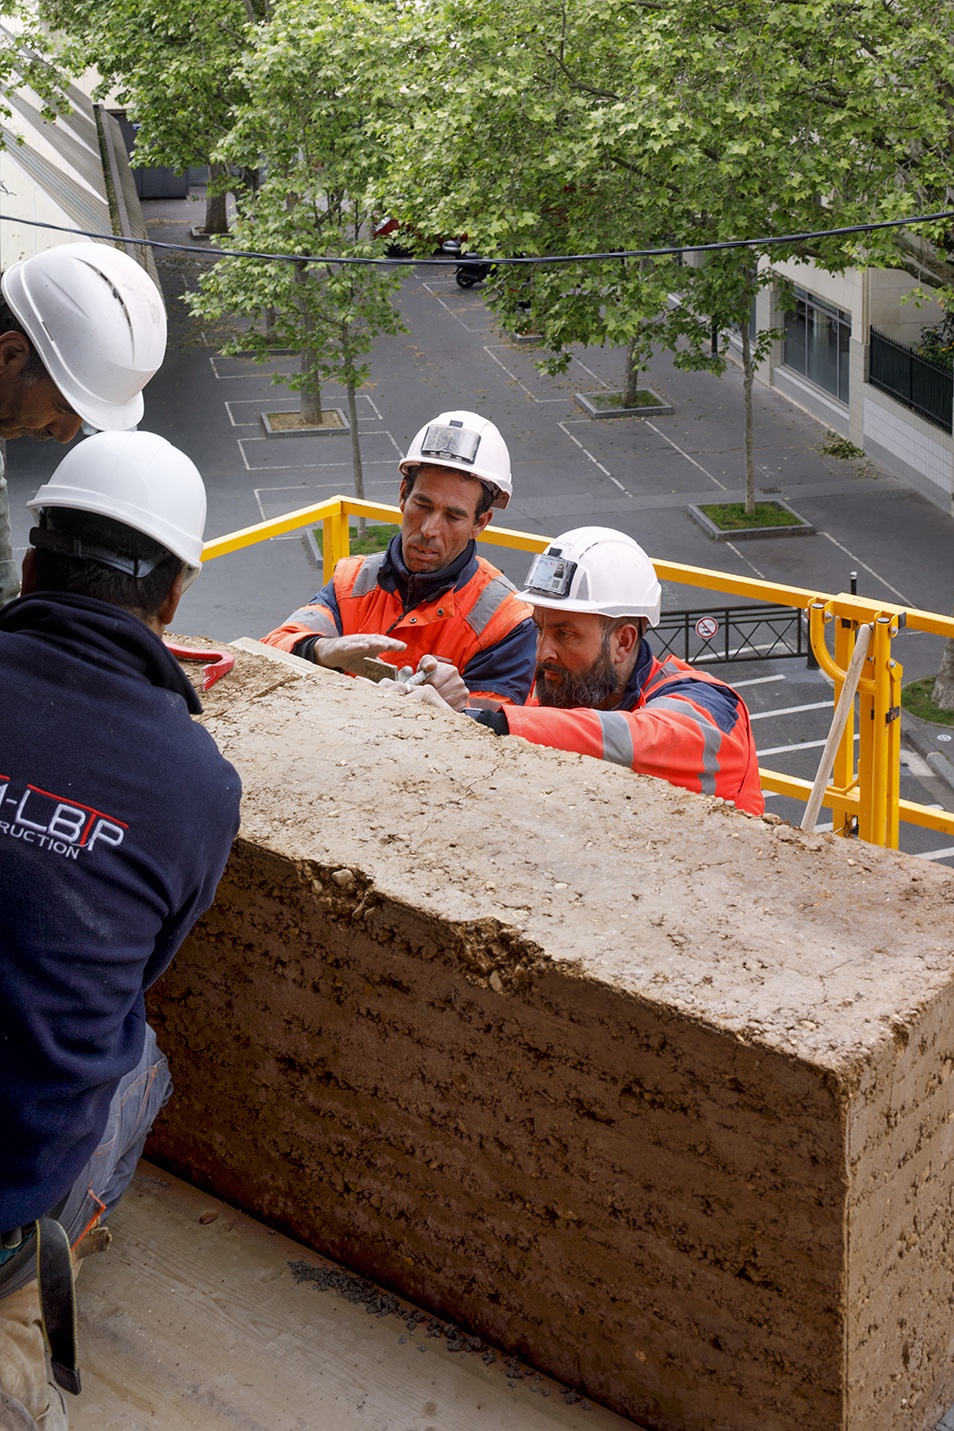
{"points": [[910, 379], [731, 633]]}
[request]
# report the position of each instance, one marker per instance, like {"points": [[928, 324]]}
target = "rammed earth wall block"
{"points": [[653, 1093]]}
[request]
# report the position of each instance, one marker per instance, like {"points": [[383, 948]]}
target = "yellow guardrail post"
{"points": [[882, 758], [335, 540]]}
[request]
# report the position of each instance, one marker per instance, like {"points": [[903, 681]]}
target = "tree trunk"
{"points": [[216, 214], [748, 379], [943, 692], [630, 378], [356, 452], [311, 382]]}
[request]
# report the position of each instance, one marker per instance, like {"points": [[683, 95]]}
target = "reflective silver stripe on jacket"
{"points": [[617, 738], [315, 619], [367, 578], [488, 604], [711, 735]]}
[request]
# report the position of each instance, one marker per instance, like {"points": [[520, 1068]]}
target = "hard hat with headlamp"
{"points": [[598, 570], [138, 479], [467, 443], [98, 324]]}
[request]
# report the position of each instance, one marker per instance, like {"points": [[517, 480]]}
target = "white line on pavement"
{"points": [[757, 681], [595, 376], [743, 558], [606, 472], [936, 854], [790, 710], [659, 432], [877, 576], [514, 379], [800, 745]]}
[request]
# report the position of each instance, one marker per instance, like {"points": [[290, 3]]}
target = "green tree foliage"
{"points": [[24, 61], [174, 65], [313, 76], [569, 126]]}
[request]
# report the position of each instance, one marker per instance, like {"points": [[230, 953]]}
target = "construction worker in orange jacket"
{"points": [[429, 601], [600, 691]]}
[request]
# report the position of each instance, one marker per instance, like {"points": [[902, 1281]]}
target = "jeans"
{"points": [[102, 1182]]}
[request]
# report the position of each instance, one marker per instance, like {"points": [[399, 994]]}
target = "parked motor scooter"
{"points": [[471, 269]]}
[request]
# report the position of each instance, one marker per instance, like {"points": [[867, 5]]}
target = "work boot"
{"points": [[24, 1378]]}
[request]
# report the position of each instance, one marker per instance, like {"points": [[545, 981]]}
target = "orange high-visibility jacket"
{"points": [[677, 723], [467, 615]]}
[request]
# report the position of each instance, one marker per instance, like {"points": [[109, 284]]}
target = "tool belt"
{"points": [[46, 1240]]}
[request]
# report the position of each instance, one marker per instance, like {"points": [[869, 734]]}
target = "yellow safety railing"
{"points": [[863, 792]]}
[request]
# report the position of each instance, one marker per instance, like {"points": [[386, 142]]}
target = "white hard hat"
{"points": [[468, 443], [594, 569], [139, 479], [98, 323]]}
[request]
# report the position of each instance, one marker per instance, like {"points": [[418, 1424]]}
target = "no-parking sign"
{"points": [[706, 627]]}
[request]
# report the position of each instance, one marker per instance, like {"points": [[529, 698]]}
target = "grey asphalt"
{"points": [[635, 474]]}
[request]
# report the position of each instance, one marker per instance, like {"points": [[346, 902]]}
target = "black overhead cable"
{"points": [[453, 261]]}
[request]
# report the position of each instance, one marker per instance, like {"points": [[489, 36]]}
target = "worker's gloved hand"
{"points": [[446, 680], [347, 653], [426, 695]]}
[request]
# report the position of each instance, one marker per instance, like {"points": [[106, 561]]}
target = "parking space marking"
{"points": [[790, 710], [799, 745], [757, 681], [488, 326], [259, 371], [303, 465], [744, 559], [936, 854], [565, 427], [595, 376], [706, 473], [870, 569], [514, 379], [306, 495], [260, 403]]}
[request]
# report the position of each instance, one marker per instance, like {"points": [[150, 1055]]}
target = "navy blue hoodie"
{"points": [[117, 814]]}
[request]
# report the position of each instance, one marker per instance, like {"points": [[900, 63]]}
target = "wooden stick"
{"points": [[838, 722]]}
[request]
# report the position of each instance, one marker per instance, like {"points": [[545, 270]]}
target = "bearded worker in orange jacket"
{"points": [[600, 691], [430, 601]]}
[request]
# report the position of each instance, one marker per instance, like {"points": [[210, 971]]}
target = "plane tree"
{"points": [[571, 126], [312, 78], [176, 68]]}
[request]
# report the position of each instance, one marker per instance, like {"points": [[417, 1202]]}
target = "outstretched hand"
{"points": [[347, 653]]}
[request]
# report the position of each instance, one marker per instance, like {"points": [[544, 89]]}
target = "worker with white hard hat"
{"points": [[599, 689], [430, 602], [82, 330], [118, 817]]}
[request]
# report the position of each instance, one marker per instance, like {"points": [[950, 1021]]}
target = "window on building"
{"points": [[817, 342]]}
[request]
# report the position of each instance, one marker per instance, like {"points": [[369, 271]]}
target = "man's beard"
{"points": [[589, 688]]}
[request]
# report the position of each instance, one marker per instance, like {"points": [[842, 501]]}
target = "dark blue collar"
{"points": [[98, 632], [416, 587], [637, 679]]}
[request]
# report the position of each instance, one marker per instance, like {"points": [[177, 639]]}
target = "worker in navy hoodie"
{"points": [[117, 813]]}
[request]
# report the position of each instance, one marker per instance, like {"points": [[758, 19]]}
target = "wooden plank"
{"points": [[200, 1319]]}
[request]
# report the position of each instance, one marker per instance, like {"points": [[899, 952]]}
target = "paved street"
{"points": [[638, 475]]}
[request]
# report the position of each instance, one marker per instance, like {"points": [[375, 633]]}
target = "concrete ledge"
{"points": [[271, 431], [801, 528], [657, 409], [652, 1093]]}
